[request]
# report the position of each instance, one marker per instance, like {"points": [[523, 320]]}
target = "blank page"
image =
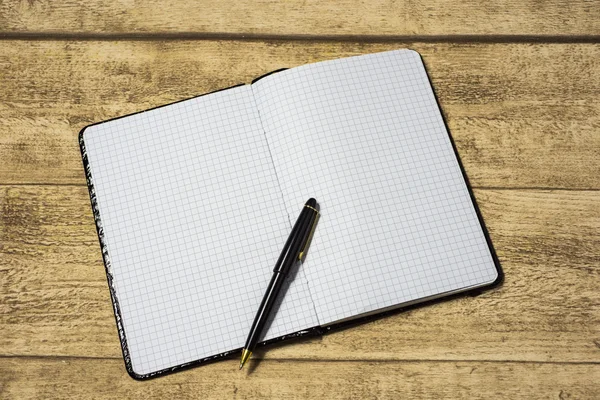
{"points": [[365, 137], [193, 223]]}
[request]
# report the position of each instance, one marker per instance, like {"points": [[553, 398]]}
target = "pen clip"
{"points": [[309, 237]]}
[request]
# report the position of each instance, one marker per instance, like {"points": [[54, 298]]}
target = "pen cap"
{"points": [[312, 203]]}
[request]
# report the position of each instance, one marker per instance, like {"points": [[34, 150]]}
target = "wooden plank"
{"points": [[54, 298], [25, 378], [268, 17], [522, 115]]}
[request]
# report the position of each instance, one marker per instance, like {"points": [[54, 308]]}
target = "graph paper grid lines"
{"points": [[196, 199]]}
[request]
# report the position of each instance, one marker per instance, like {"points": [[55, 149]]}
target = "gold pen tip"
{"points": [[245, 356]]}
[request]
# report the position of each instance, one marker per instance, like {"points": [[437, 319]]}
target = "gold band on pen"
{"points": [[312, 208]]}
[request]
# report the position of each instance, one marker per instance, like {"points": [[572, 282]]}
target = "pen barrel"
{"points": [[266, 306], [297, 238]]}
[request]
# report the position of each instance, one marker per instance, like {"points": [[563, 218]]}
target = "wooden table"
{"points": [[519, 83]]}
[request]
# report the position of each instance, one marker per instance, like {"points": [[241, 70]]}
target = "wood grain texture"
{"points": [[106, 379], [518, 82], [56, 300], [312, 17], [522, 115]]}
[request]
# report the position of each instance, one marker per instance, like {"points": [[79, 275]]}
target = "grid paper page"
{"points": [[365, 137], [194, 222]]}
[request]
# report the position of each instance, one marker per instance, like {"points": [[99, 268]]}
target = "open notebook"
{"points": [[193, 202]]}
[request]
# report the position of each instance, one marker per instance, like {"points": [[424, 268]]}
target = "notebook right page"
{"points": [[365, 137]]}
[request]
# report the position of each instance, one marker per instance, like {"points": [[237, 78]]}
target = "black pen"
{"points": [[294, 250]]}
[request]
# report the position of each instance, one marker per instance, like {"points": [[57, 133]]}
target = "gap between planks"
{"points": [[257, 37], [308, 360]]}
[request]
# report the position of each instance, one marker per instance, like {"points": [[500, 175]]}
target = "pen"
{"points": [[294, 250]]}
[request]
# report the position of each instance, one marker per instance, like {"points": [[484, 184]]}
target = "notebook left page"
{"points": [[192, 222]]}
